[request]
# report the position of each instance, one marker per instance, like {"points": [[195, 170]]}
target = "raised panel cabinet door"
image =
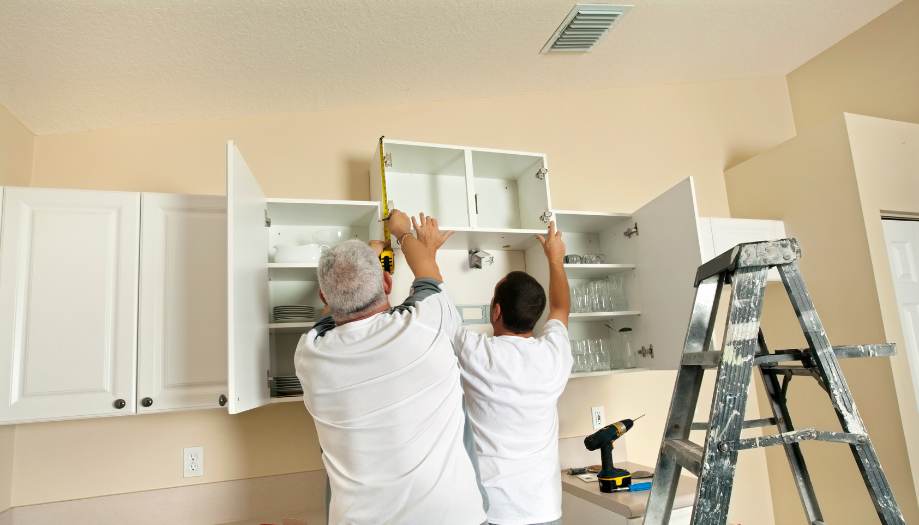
{"points": [[247, 287], [902, 239], [68, 303], [182, 352], [668, 254]]}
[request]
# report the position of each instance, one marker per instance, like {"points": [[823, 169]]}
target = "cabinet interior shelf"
{"points": [[602, 316], [591, 271], [600, 373], [465, 238], [290, 327], [293, 271]]}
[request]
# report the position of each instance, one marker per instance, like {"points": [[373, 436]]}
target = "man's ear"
{"points": [[495, 312], [322, 297], [387, 283]]}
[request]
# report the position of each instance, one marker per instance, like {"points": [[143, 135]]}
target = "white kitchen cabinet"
{"points": [[182, 352], [719, 235], [259, 349], [491, 199], [655, 251], [68, 303]]}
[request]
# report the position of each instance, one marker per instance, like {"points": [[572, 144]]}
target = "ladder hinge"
{"points": [[387, 160], [546, 216], [541, 173], [267, 219], [630, 232]]}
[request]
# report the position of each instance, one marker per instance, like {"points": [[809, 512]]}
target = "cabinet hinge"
{"points": [[546, 216], [646, 352], [387, 160], [267, 219], [630, 232], [541, 173]]}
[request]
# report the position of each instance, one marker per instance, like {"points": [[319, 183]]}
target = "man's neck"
{"points": [[370, 312], [504, 331]]}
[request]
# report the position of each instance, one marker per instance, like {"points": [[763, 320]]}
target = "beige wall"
{"points": [[885, 155], [810, 183], [16, 146], [608, 150], [874, 71]]}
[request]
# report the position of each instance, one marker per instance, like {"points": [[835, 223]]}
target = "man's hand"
{"points": [[398, 223], [429, 233], [552, 244]]}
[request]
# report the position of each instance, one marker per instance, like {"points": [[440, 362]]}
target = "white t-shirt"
{"points": [[512, 388], [386, 397]]}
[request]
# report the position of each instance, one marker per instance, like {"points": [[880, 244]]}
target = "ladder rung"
{"points": [[704, 359], [686, 453], [842, 352], [712, 359], [751, 423], [798, 435]]}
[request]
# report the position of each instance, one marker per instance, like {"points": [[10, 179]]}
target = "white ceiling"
{"points": [[68, 65]]}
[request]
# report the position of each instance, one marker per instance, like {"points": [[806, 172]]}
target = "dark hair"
{"points": [[522, 300]]}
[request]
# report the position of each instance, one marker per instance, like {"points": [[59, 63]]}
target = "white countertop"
{"points": [[628, 504]]}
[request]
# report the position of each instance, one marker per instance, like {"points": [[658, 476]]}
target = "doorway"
{"points": [[902, 239]]}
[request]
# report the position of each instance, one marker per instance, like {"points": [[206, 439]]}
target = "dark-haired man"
{"points": [[512, 382]]}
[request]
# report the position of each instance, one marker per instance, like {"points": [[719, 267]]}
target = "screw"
{"points": [[863, 439], [787, 256], [723, 446]]}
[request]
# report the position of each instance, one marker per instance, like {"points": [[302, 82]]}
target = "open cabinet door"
{"points": [[668, 254], [247, 287]]}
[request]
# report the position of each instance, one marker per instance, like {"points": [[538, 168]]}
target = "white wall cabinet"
{"points": [[491, 199], [68, 303], [507, 202], [182, 352], [259, 349]]}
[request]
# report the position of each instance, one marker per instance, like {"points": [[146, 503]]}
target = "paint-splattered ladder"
{"points": [[745, 268]]}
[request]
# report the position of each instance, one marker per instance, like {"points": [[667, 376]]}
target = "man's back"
{"points": [[385, 394], [512, 388]]}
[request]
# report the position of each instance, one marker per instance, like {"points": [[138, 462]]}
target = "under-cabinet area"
{"points": [[177, 302]]}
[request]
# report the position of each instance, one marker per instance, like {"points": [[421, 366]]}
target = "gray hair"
{"points": [[351, 278]]}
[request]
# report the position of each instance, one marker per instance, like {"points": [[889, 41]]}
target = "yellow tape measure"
{"points": [[387, 256]]}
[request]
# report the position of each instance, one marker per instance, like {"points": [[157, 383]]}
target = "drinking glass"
{"points": [[617, 293], [629, 359], [595, 353], [579, 354], [603, 346]]}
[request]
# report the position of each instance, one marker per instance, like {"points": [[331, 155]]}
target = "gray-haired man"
{"points": [[383, 386]]}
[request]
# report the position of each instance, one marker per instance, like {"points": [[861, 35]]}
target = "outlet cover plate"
{"points": [[193, 462], [597, 417]]}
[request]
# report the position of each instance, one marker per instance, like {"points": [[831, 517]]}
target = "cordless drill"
{"points": [[610, 477]]}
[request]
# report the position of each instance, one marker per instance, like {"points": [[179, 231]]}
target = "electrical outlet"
{"points": [[597, 417], [193, 461]]}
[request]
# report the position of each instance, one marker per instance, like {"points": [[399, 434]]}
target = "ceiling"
{"points": [[68, 65]]}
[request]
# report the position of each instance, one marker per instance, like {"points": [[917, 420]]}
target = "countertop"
{"points": [[628, 504], [308, 518]]}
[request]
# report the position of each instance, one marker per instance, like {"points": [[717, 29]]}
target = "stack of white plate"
{"points": [[297, 313], [285, 386]]}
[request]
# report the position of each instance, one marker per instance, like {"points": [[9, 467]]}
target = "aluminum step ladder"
{"points": [[745, 268]]}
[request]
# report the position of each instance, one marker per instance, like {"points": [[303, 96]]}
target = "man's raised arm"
{"points": [[559, 297], [420, 250]]}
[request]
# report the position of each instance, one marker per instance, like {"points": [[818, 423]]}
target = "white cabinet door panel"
{"points": [[68, 303], [668, 255], [182, 353], [902, 239], [247, 287]]}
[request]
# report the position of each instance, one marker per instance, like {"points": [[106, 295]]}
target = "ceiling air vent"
{"points": [[583, 27]]}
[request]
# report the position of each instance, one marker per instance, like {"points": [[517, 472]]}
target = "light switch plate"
{"points": [[193, 462], [597, 417]]}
